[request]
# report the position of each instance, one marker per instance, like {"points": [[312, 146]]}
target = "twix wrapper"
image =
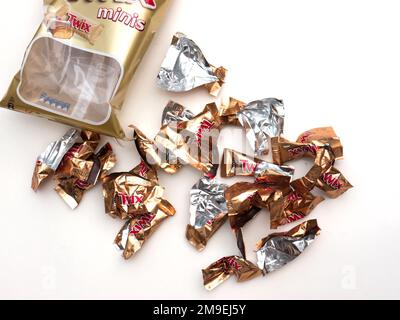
{"points": [[208, 211], [223, 269], [324, 160], [49, 161], [333, 183], [81, 170], [284, 151], [138, 229], [79, 64], [278, 249], [191, 142], [244, 201], [75, 165], [186, 68], [292, 207], [235, 163]]}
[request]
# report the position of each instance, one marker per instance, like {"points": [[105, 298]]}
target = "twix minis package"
{"points": [[79, 64]]}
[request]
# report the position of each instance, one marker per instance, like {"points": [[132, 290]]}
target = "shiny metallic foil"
{"points": [[72, 180], [235, 163], [324, 160], [229, 109], [245, 200], [284, 150], [79, 64], [185, 68], [333, 183], [192, 142], [138, 229], [174, 112], [223, 269], [48, 162], [127, 195], [262, 120], [291, 208], [278, 249], [208, 211]]}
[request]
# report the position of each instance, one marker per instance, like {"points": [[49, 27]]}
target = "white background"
{"points": [[333, 62]]}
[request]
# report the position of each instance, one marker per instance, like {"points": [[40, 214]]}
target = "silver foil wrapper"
{"points": [[262, 120], [279, 249], [174, 112], [56, 151], [207, 201], [184, 67]]}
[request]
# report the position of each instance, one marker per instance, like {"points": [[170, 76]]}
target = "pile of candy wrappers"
{"points": [[187, 139]]}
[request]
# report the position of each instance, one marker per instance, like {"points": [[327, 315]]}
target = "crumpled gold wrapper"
{"points": [[192, 142], [333, 183], [291, 208], [324, 160], [223, 269], [127, 195], [137, 230], [244, 201], [229, 109], [76, 176]]}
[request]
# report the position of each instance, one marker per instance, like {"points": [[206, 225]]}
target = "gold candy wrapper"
{"points": [[192, 142], [76, 176], [78, 66], [333, 183], [291, 208], [324, 160], [229, 109], [138, 229], [239, 164], [284, 151], [134, 193], [75, 165], [223, 269]]}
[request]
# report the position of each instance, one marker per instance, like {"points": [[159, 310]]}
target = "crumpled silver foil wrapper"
{"points": [[174, 112], [184, 67], [279, 249], [264, 167], [262, 119], [207, 201], [56, 151]]}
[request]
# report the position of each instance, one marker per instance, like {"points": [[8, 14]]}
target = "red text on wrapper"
{"points": [[248, 166], [332, 181], [230, 263], [79, 24], [130, 200], [205, 126], [143, 223]]}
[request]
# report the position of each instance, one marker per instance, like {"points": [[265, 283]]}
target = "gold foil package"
{"points": [[185, 68], [75, 165], [223, 269], [79, 63]]}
